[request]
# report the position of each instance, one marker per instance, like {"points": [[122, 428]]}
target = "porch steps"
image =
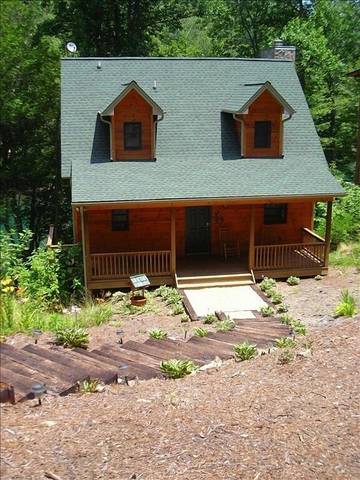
{"points": [[205, 281]]}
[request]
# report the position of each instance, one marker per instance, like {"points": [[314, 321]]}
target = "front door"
{"points": [[198, 232]]}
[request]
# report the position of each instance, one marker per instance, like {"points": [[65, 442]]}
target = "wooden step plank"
{"points": [[52, 383], [41, 364], [162, 352], [133, 370], [22, 384], [67, 368], [129, 355], [234, 338], [213, 348], [258, 332], [177, 347], [96, 368], [262, 329]]}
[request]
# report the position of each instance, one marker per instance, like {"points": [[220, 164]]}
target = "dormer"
{"points": [[259, 121], [133, 116]]}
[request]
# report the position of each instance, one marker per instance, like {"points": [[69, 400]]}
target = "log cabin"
{"points": [[194, 171]]}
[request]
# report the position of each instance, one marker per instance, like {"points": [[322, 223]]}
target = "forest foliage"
{"points": [[34, 34]]}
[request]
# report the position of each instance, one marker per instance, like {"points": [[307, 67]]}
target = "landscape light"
{"points": [[38, 389], [120, 334], [37, 334], [125, 378]]}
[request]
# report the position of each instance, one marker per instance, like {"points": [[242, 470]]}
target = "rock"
{"points": [[216, 363]]}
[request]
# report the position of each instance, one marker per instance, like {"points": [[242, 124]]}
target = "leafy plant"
{"points": [[293, 280], [225, 325], [277, 298], [72, 337], [267, 284], [174, 368], [244, 351], [201, 332], [90, 386], [13, 247], [285, 342], [157, 333], [210, 318], [347, 306], [286, 319], [269, 293], [184, 318], [267, 311], [282, 308], [177, 309], [286, 356], [298, 327]]}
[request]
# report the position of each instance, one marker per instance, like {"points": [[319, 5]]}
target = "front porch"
{"points": [[253, 258]]}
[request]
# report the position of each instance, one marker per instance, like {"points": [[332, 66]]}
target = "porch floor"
{"points": [[207, 265]]}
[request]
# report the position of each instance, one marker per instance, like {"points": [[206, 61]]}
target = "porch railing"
{"points": [[299, 255], [308, 236], [124, 264]]}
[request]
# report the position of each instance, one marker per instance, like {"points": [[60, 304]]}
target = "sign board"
{"points": [[139, 281]]}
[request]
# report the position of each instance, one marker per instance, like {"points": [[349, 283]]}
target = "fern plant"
{"points": [[267, 284], [293, 281], [244, 351], [72, 337], [201, 332], [225, 325], [157, 334], [285, 342], [174, 368], [267, 311], [347, 306]]}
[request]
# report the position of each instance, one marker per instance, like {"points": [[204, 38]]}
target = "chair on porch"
{"points": [[229, 244]]}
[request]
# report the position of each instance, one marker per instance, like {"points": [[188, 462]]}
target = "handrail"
{"points": [[312, 234], [303, 255], [124, 264]]}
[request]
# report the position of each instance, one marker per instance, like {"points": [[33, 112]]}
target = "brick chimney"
{"points": [[279, 51]]}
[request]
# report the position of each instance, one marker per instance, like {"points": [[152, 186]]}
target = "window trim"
{"points": [[125, 125], [275, 218], [268, 136], [120, 225]]}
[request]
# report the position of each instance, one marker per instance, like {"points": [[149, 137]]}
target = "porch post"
{"points": [[84, 247], [173, 241], [328, 233], [252, 238]]}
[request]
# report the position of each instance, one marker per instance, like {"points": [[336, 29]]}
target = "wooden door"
{"points": [[198, 231]]}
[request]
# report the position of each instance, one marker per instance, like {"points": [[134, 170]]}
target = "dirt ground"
{"points": [[256, 420]]}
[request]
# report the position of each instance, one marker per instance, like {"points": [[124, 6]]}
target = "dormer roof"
{"points": [[251, 92], [109, 110]]}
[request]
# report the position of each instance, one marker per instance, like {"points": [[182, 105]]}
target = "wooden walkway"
{"points": [[63, 369]]}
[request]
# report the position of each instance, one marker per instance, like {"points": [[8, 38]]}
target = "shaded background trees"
{"points": [[34, 34]]}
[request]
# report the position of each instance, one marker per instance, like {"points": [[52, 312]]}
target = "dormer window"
{"points": [[132, 136], [262, 134]]}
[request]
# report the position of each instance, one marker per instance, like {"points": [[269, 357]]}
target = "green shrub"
{"points": [[177, 368], [285, 342], [185, 318], [201, 332], [286, 356], [157, 334], [14, 248], [277, 298], [270, 293], [286, 319], [267, 311], [90, 386], [210, 318], [293, 281], [267, 284], [72, 337], [282, 308], [347, 306], [225, 325], [244, 351], [177, 309], [298, 327]]}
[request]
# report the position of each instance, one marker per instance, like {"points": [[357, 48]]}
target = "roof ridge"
{"points": [[244, 59]]}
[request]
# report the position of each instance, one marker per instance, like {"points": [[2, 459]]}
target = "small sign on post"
{"points": [[138, 285]]}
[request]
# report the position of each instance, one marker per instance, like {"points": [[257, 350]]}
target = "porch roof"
{"points": [[197, 153]]}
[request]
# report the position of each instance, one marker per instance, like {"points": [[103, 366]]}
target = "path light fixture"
{"points": [[120, 334], [38, 389], [36, 334], [125, 378], [75, 310]]}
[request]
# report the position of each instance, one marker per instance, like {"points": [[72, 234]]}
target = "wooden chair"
{"points": [[230, 245]]}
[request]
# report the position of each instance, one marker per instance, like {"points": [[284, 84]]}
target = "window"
{"points": [[119, 220], [132, 136], [275, 214], [262, 134]]}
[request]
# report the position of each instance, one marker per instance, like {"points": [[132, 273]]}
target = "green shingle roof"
{"points": [[197, 154]]}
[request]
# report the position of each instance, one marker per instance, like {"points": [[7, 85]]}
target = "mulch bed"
{"points": [[254, 420]]}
